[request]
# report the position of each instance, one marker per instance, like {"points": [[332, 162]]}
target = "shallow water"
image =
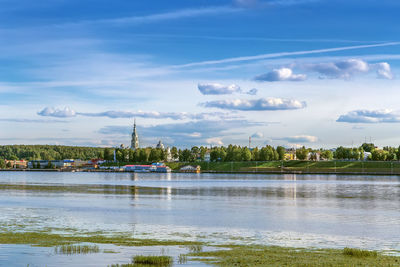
{"points": [[285, 210]]}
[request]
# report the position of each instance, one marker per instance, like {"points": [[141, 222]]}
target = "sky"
{"points": [[317, 73]]}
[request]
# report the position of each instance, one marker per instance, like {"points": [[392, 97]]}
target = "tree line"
{"points": [[196, 153], [49, 152]]}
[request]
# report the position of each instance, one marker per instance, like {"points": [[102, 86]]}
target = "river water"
{"points": [[327, 211]]}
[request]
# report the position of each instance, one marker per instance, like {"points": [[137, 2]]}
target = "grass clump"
{"points": [[153, 260], [195, 248], [76, 249], [182, 259], [147, 261], [359, 252]]}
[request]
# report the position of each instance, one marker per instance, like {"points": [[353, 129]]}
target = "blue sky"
{"points": [[192, 72]]}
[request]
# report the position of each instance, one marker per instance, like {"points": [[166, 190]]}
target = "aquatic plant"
{"points": [[359, 252], [195, 248], [76, 249], [182, 259], [153, 260]]}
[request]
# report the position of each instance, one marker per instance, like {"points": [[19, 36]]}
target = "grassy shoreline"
{"points": [[223, 255]]}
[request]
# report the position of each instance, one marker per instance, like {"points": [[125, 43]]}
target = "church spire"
{"points": [[135, 137]]}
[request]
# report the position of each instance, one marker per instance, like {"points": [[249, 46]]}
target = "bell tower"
{"points": [[135, 137]]}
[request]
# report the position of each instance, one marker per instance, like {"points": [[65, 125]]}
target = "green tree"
{"points": [[174, 153], [2, 164], [246, 154], [327, 155], [368, 147], [281, 152], [302, 153], [143, 155], [109, 154]]}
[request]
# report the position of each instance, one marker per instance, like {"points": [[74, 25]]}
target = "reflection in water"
{"points": [[293, 210]]}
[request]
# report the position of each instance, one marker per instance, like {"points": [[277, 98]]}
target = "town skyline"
{"points": [[285, 73]]}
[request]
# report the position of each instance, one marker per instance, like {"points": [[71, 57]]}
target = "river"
{"points": [[327, 211]]}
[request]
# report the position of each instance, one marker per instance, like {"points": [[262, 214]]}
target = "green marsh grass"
{"points": [[76, 249], [260, 256], [359, 252], [182, 259], [195, 248], [48, 239], [153, 260]]}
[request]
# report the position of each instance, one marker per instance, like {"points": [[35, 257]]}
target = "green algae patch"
{"points": [[46, 239], [257, 256]]}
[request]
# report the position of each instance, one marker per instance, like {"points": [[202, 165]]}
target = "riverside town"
{"points": [[364, 159]]}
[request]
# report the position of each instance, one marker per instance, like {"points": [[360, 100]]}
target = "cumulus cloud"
{"points": [[257, 135], [214, 141], [384, 71], [66, 112], [347, 69], [282, 74], [300, 139], [370, 116], [256, 104], [218, 89]]}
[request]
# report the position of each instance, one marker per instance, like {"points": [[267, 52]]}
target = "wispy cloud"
{"points": [[220, 89], [282, 54], [152, 18], [371, 116], [300, 139], [261, 104], [67, 112], [19, 120]]}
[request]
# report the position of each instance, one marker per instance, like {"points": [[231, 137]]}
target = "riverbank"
{"points": [[269, 167]]}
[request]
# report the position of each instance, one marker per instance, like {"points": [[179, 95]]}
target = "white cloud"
{"points": [[348, 68], [383, 70], [300, 139], [218, 89], [112, 114], [257, 135], [158, 17], [66, 112], [214, 141], [370, 116], [256, 104], [282, 74]]}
